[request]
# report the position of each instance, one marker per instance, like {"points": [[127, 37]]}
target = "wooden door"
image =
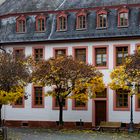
{"points": [[100, 112]]}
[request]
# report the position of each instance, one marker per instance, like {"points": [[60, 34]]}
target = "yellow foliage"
{"points": [[11, 96]]}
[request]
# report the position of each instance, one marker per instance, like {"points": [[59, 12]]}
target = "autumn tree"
{"points": [[126, 74], [68, 79], [14, 75]]}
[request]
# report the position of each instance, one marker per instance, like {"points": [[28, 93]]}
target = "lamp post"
{"points": [[131, 124]]}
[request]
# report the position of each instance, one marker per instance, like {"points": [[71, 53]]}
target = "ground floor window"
{"points": [[38, 97]]}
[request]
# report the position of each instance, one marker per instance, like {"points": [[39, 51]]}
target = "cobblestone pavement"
{"points": [[46, 134]]}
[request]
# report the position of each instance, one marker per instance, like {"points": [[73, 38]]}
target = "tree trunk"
{"points": [[0, 115], [60, 114]]}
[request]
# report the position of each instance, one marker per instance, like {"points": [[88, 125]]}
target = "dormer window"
{"points": [[62, 22], [21, 24], [123, 17], [40, 23], [102, 19], [81, 20]]}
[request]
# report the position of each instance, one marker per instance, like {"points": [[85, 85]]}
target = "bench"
{"points": [[138, 127], [110, 125]]}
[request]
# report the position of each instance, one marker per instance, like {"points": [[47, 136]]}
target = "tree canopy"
{"points": [[68, 78], [127, 74], [14, 75]]}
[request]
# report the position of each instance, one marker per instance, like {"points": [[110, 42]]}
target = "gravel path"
{"points": [[45, 134]]}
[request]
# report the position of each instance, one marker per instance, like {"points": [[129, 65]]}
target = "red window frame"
{"points": [[40, 17], [54, 107], [21, 19], [60, 49], [80, 48], [115, 51], [15, 105], [82, 14], [33, 97], [116, 108], [34, 53], [65, 17], [74, 107], [107, 56], [99, 13], [20, 50], [123, 10]]}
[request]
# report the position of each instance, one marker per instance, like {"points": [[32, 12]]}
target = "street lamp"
{"points": [[131, 124]]}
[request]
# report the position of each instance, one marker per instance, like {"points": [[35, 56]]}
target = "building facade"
{"points": [[99, 33]]}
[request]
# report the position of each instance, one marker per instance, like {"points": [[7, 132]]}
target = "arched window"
{"points": [[62, 22], [40, 23], [123, 17], [81, 20], [21, 24], [102, 19]]}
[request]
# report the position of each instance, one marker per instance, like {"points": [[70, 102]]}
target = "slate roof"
{"points": [[8, 30]]}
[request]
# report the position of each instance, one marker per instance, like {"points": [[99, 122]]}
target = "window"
{"points": [[38, 97], [102, 94], [62, 23], [56, 104], [19, 103], [60, 52], [123, 17], [38, 54], [21, 24], [121, 53], [81, 19], [138, 102], [40, 23], [121, 99], [79, 105], [102, 19], [81, 22], [80, 54], [19, 53], [100, 57]]}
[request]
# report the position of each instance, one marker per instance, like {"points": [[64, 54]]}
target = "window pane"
{"points": [[38, 96], [38, 54], [79, 103], [122, 99], [101, 56], [19, 101], [123, 19], [121, 53], [61, 52], [81, 22], [102, 20], [19, 53], [80, 54], [62, 23]]}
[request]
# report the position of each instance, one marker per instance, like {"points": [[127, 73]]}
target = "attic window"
{"points": [[40, 23], [62, 22], [102, 19], [123, 17], [81, 20], [21, 24]]}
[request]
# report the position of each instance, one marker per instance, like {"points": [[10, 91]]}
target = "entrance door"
{"points": [[100, 112]]}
